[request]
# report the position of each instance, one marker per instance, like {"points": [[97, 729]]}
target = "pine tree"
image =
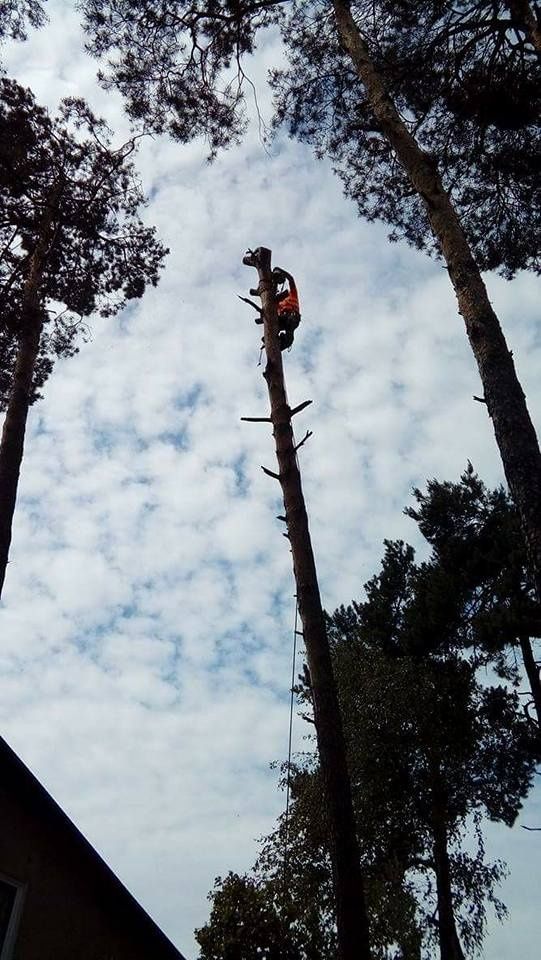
{"points": [[504, 397], [17, 15], [431, 752], [73, 244], [478, 558], [454, 748]]}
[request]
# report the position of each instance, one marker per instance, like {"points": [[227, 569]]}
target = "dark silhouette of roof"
{"points": [[18, 779]]}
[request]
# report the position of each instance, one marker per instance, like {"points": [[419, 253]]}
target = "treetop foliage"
{"points": [[478, 548], [101, 255], [179, 65], [474, 595], [17, 15], [445, 66], [464, 77]]}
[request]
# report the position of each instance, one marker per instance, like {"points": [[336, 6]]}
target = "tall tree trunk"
{"points": [[450, 948], [515, 434], [351, 917], [532, 672], [522, 12], [12, 443]]}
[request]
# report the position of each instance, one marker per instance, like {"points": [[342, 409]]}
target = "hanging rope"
{"points": [[290, 740]]}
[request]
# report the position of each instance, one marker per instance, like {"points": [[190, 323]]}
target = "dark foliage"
{"points": [[463, 83], [474, 594], [101, 255], [403, 720], [180, 65], [244, 924], [430, 748], [287, 908], [464, 77], [421, 726], [478, 548], [17, 15]]}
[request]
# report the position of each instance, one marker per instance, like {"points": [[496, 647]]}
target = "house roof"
{"points": [[19, 779]]}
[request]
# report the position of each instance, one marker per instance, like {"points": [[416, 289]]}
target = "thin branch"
{"points": [[275, 476], [306, 437], [251, 302]]}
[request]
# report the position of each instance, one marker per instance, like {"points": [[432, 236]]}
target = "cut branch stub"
{"points": [[275, 476], [301, 406], [250, 302], [256, 419]]}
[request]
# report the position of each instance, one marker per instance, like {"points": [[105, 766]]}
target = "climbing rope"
{"points": [[290, 740]]}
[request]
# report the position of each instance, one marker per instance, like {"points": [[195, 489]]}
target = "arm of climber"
{"points": [[289, 277]]}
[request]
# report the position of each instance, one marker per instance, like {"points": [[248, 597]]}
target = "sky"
{"points": [[148, 608]]}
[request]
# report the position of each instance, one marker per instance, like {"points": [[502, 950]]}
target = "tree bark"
{"points": [[532, 672], [12, 443], [515, 434], [450, 947], [522, 12], [351, 916]]}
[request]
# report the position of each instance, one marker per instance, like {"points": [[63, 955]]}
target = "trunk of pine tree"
{"points": [[515, 434], [351, 917], [532, 672], [528, 20], [450, 948], [12, 443]]}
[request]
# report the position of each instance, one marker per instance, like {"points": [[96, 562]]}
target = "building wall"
{"points": [[74, 907]]}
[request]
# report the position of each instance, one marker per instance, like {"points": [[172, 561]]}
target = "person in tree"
{"points": [[287, 307]]}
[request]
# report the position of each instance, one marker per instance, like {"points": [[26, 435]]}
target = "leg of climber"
{"points": [[286, 339]]}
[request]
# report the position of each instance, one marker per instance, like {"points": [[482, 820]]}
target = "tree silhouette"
{"points": [[73, 244], [432, 752], [478, 558], [17, 15]]}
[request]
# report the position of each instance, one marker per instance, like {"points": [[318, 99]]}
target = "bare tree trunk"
{"points": [[515, 434], [532, 672], [351, 917], [450, 947], [12, 443], [528, 19]]}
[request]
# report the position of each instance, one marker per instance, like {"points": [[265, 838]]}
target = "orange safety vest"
{"points": [[289, 304]]}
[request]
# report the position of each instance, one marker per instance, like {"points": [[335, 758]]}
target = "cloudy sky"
{"points": [[148, 607]]}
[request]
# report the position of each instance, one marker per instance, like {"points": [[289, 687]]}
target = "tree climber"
{"points": [[287, 307], [287, 303]]}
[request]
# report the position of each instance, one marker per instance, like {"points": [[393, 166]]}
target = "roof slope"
{"points": [[16, 778]]}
